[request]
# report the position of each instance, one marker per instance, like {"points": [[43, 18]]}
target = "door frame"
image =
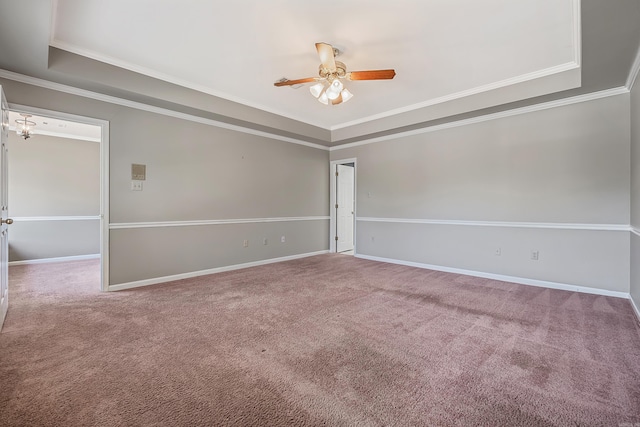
{"points": [[332, 202], [104, 177]]}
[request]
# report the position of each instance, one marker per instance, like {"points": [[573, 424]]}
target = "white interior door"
{"points": [[345, 184], [4, 220]]}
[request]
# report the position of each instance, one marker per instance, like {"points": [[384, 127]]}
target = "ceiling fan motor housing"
{"points": [[340, 71]]}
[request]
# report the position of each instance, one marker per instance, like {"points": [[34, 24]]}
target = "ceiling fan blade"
{"points": [[296, 82], [327, 58], [336, 101], [371, 75]]}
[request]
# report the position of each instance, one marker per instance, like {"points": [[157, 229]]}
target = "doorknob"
{"points": [[7, 221]]}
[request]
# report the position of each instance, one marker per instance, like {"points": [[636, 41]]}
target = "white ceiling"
{"points": [[442, 50]]}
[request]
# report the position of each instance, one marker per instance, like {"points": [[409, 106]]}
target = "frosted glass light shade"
{"points": [[346, 95], [316, 89], [324, 98], [333, 91]]}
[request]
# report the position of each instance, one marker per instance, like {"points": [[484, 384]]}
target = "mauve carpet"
{"points": [[328, 340]]}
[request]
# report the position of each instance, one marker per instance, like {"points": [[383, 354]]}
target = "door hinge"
{"points": [[336, 238], [336, 173], [336, 206]]}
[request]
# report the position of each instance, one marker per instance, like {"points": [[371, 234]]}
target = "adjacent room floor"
{"points": [[326, 340]]}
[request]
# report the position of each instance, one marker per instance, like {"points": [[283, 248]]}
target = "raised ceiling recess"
{"points": [[451, 57]]}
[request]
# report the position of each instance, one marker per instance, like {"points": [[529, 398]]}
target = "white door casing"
{"points": [[346, 207], [104, 177], [4, 237]]}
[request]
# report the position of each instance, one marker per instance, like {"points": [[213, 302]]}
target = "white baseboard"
{"points": [[58, 259], [635, 308], [503, 278], [157, 280]]}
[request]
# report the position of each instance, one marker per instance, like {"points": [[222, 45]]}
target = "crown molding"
{"points": [[68, 47], [572, 64], [463, 94], [46, 84], [575, 63], [576, 30], [633, 73], [508, 113]]}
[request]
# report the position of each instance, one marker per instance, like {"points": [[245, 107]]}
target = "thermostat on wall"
{"points": [[138, 172]]}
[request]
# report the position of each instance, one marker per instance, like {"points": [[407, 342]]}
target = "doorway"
{"points": [[63, 217], [343, 207]]}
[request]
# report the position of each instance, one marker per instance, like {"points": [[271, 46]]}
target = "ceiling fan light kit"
{"points": [[329, 88]]}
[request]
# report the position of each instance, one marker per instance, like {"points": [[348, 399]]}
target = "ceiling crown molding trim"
{"points": [[435, 101], [517, 111], [458, 95], [465, 93], [88, 53], [633, 73], [169, 79], [46, 84], [576, 63]]}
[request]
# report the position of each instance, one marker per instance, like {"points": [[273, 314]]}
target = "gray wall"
{"points": [[198, 172], [635, 193], [562, 165], [52, 177]]}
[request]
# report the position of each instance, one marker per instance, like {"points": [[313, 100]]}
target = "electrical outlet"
{"points": [[136, 185], [282, 239], [245, 243], [535, 255]]}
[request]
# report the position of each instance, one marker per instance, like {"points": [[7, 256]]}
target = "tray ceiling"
{"points": [[451, 56], [217, 61]]}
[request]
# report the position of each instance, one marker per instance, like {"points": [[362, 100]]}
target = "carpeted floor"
{"points": [[328, 340]]}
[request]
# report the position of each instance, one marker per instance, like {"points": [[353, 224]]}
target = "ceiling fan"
{"points": [[329, 88]]}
